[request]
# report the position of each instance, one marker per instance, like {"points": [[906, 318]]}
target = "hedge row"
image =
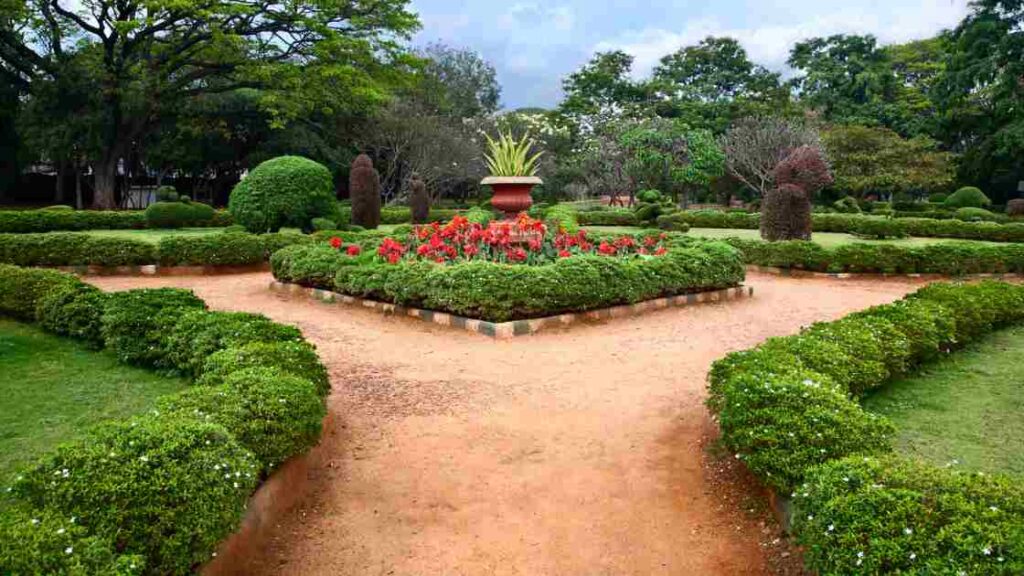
{"points": [[867, 225], [789, 410], [500, 292], [24, 221], [613, 217], [79, 249], [155, 494], [950, 258], [399, 214]]}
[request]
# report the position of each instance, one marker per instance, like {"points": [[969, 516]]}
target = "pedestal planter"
{"points": [[511, 193]]}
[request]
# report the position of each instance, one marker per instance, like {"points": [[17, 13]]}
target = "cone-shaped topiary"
{"points": [[786, 214], [283, 191], [419, 200], [364, 188], [1015, 208]]}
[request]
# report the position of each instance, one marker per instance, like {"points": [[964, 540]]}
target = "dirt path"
{"points": [[575, 452]]}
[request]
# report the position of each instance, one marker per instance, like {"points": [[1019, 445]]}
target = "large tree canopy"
{"points": [[877, 160], [144, 59]]}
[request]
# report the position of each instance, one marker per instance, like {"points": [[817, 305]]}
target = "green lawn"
{"points": [[827, 239], [968, 407], [154, 235], [53, 389]]}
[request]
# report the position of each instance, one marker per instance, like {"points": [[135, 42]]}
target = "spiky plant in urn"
{"points": [[513, 173]]}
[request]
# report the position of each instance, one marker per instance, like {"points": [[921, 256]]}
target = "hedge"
{"points": [[858, 224], [156, 493], [612, 217], [500, 292], [48, 220], [400, 214], [178, 214], [78, 249], [789, 410], [951, 259]]}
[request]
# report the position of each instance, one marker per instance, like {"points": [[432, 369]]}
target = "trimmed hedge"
{"points": [[50, 220], [499, 292], [155, 494], [78, 249], [789, 410], [611, 217], [178, 214], [872, 226], [951, 259]]}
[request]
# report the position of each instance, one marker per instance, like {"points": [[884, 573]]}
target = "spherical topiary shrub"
{"points": [[1015, 208], [419, 200], [166, 194], [786, 214], [284, 191], [968, 197], [847, 205], [364, 188]]}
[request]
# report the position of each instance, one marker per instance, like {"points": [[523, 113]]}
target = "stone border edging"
{"points": [[507, 330], [800, 273], [158, 270]]}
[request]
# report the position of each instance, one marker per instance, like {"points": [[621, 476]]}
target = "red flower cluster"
{"points": [[524, 240], [351, 249]]}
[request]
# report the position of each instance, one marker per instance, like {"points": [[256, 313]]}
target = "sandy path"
{"points": [[575, 452]]}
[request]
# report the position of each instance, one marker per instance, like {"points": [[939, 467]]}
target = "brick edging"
{"points": [[157, 270], [799, 273], [506, 330]]}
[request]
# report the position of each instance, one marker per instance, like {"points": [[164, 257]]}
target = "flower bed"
{"points": [[789, 410], [512, 271], [78, 249], [25, 221], [157, 493]]}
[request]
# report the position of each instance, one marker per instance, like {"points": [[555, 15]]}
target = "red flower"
{"points": [[564, 253], [650, 241], [606, 249], [660, 251], [470, 250], [394, 257], [422, 250], [353, 250], [517, 254], [335, 242]]}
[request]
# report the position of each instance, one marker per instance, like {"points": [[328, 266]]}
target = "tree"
{"points": [[846, 77], [980, 94], [146, 58], [602, 86], [461, 83], [866, 160], [755, 146], [917, 66], [667, 155], [714, 82]]}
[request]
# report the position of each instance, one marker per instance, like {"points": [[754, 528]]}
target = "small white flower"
{"points": [[144, 458], [73, 519], [845, 479], [831, 527], [986, 551], [810, 517], [60, 531], [35, 521], [908, 531], [913, 556], [993, 508], [214, 555], [236, 484], [69, 550], [860, 554]]}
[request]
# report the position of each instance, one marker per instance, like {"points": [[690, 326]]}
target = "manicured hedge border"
{"points": [[950, 259], [25, 221], [80, 249], [789, 410], [500, 292], [866, 225], [156, 494]]}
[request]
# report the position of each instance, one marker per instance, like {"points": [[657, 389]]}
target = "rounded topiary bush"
{"points": [[284, 191], [135, 322], [74, 311], [166, 194], [296, 358], [968, 197], [198, 334], [974, 215], [847, 205], [167, 488], [178, 214]]}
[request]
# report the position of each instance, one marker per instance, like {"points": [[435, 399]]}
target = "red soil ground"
{"points": [[584, 451]]}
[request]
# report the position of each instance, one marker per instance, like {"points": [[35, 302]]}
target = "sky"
{"points": [[534, 45]]}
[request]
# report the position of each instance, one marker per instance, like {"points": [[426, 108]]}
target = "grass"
{"points": [[154, 235], [967, 409], [54, 389], [827, 239]]}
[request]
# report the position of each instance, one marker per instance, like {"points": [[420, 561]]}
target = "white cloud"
{"points": [[532, 17], [769, 44], [445, 26]]}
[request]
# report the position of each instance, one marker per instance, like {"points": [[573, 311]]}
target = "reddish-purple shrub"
{"points": [[1015, 208], [364, 188], [786, 214], [805, 167]]}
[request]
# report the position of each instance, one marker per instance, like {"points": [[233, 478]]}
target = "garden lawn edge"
{"points": [[514, 328]]}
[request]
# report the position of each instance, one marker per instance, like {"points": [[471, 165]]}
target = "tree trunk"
{"points": [[105, 183], [60, 191], [78, 187]]}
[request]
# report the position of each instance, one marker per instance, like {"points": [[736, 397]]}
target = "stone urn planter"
{"points": [[511, 193]]}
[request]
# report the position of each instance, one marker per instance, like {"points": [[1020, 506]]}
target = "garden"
{"points": [[783, 316]]}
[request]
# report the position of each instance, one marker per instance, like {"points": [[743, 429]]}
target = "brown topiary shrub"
{"points": [[786, 214], [1015, 208], [806, 168], [419, 200], [364, 188]]}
